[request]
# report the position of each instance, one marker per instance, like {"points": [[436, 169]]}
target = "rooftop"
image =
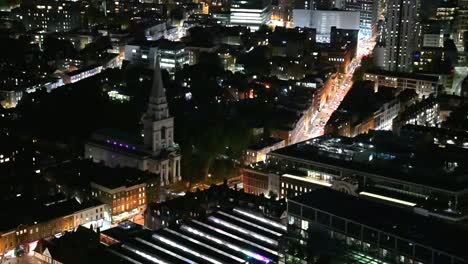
{"points": [[39, 210], [265, 142], [422, 77], [79, 246], [81, 172], [226, 236], [113, 178], [385, 154], [396, 221]]}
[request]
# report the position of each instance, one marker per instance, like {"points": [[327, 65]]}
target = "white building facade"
{"points": [[250, 13], [324, 20]]}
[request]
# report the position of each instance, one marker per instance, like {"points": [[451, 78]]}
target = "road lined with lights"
{"points": [[345, 83]]}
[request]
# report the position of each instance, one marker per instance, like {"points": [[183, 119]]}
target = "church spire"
{"points": [[157, 105], [157, 90], [158, 126]]}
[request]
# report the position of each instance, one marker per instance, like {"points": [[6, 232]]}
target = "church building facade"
{"points": [[157, 153]]}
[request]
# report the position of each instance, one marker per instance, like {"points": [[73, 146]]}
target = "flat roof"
{"points": [[14, 214], [422, 77], [393, 220], [265, 142], [386, 155], [83, 172]]}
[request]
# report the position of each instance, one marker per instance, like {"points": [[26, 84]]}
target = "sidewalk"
{"points": [[23, 260]]}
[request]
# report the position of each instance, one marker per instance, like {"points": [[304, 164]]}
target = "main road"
{"points": [[345, 82]]}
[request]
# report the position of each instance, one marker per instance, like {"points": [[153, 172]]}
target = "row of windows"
{"points": [[293, 190]]}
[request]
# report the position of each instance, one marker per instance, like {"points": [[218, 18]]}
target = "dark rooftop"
{"points": [[388, 155], [82, 172], [14, 213], [400, 222], [264, 142], [118, 177]]}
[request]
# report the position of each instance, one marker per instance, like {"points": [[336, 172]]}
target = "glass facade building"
{"points": [[363, 231], [250, 13], [404, 177]]}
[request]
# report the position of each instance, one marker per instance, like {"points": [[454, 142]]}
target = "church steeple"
{"points": [[158, 125], [157, 90], [157, 105]]}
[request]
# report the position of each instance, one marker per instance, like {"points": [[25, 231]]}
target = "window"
{"points": [[163, 132]]}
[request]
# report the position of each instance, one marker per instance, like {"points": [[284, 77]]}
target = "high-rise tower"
{"points": [[401, 36]]}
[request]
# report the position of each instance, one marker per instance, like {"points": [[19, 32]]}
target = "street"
{"points": [[345, 83]]}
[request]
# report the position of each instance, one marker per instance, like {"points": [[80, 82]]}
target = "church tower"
{"points": [[158, 126]]}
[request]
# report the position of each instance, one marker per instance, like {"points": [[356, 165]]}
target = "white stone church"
{"points": [[157, 154]]}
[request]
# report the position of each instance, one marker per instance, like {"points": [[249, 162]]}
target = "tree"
{"points": [[8, 3], [55, 48], [210, 61], [366, 64], [256, 62], [273, 195]]}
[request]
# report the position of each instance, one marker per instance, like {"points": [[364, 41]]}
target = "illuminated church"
{"points": [[157, 153]]}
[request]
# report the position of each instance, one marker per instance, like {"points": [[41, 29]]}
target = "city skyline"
{"points": [[150, 131]]}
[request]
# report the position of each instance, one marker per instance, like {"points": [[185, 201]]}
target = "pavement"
{"points": [[27, 259]]}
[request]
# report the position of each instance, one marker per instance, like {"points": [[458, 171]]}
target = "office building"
{"points": [[343, 37], [324, 20], [462, 25], [339, 56], [369, 166], [433, 61], [423, 85], [440, 135], [367, 14], [318, 4], [435, 40], [281, 13], [446, 14], [401, 35], [50, 16], [141, 53], [173, 55], [431, 111], [357, 230], [250, 13]]}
